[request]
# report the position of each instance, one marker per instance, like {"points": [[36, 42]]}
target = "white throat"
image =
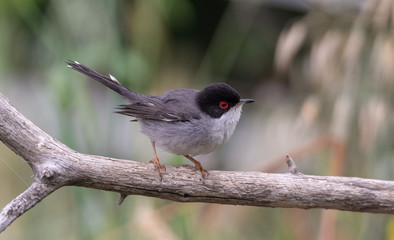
{"points": [[224, 127]]}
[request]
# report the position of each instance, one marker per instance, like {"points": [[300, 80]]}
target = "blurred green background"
{"points": [[322, 76]]}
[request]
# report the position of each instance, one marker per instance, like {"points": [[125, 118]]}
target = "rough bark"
{"points": [[55, 165]]}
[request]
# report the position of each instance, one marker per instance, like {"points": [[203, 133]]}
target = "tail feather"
{"points": [[110, 81]]}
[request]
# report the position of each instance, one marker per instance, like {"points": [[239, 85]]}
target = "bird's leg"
{"points": [[156, 161], [198, 165]]}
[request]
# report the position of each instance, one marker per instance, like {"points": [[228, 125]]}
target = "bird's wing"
{"points": [[173, 105]]}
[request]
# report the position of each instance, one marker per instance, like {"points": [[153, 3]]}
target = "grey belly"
{"points": [[182, 138]]}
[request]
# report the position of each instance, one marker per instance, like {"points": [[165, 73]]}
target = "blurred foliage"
{"points": [[321, 75]]}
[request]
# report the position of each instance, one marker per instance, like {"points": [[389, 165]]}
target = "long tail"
{"points": [[110, 81]]}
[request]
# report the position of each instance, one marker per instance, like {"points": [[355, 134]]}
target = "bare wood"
{"points": [[55, 165], [25, 201]]}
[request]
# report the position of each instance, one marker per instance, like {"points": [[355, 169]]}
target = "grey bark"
{"points": [[55, 165]]}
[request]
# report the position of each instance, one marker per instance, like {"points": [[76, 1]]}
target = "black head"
{"points": [[217, 99]]}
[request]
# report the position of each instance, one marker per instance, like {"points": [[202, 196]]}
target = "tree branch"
{"points": [[28, 199], [55, 165]]}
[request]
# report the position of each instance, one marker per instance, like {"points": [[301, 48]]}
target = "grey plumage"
{"points": [[183, 121]]}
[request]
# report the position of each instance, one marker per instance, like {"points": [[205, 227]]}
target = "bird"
{"points": [[182, 121]]}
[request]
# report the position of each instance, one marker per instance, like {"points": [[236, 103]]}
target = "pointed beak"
{"points": [[243, 101]]}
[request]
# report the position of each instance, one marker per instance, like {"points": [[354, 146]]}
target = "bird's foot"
{"points": [[197, 164], [204, 172], [159, 167]]}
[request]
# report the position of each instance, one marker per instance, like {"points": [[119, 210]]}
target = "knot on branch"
{"points": [[122, 198], [47, 173], [292, 167], [50, 175]]}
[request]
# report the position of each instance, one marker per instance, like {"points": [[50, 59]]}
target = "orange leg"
{"points": [[198, 165], [156, 161]]}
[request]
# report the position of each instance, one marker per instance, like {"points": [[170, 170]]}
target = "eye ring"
{"points": [[223, 105]]}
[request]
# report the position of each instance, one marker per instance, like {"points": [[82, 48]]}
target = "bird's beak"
{"points": [[243, 101]]}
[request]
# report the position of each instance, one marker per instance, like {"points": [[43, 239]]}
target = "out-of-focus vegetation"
{"points": [[322, 77]]}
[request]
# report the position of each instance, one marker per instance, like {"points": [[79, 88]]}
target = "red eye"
{"points": [[223, 105]]}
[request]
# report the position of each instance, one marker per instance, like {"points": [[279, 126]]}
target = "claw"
{"points": [[197, 164], [158, 166], [204, 172]]}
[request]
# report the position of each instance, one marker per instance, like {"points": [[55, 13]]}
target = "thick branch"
{"points": [[55, 165]]}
